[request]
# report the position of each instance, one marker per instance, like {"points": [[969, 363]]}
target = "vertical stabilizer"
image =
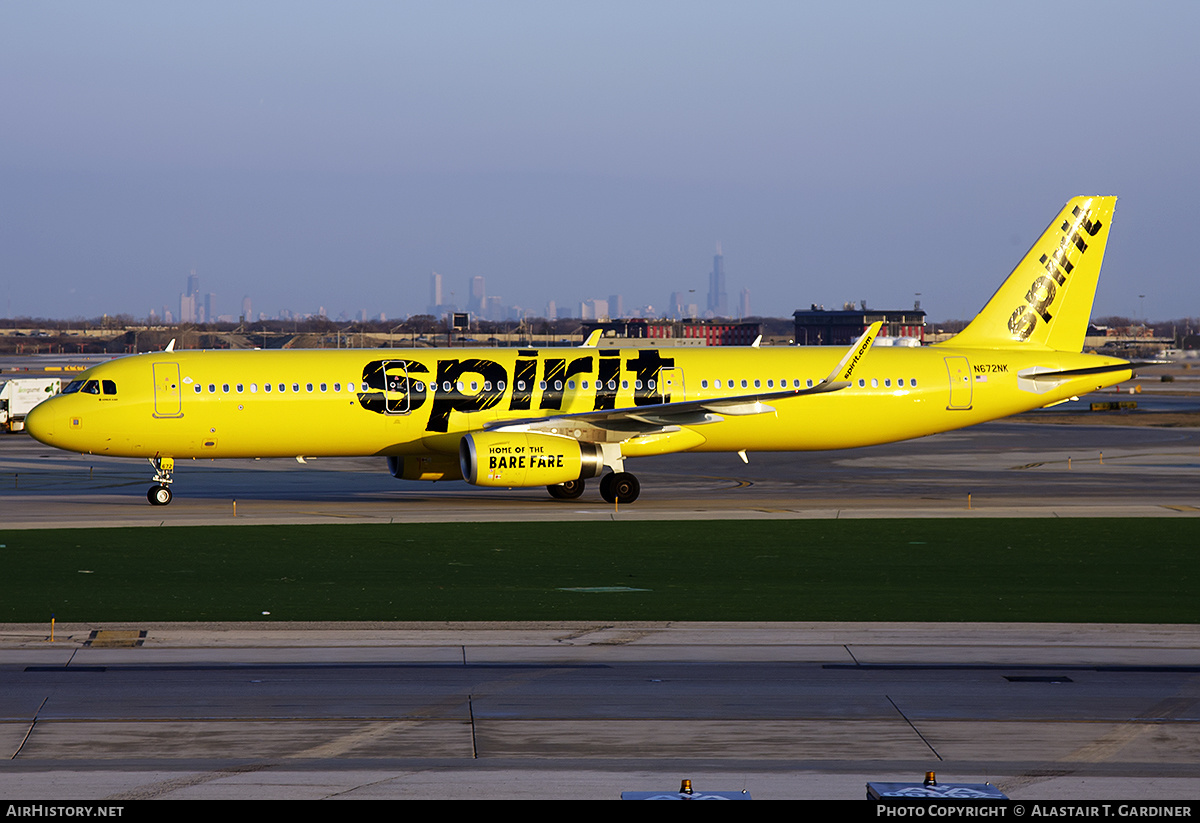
{"points": [[1047, 300]]}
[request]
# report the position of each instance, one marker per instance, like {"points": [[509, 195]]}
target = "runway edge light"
{"points": [[686, 793]]}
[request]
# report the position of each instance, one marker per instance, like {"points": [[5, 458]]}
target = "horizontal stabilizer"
{"points": [[1062, 374]]}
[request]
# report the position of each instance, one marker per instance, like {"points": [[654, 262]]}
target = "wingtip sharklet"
{"points": [[855, 354]]}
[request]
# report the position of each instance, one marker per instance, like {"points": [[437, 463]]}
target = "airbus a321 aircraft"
{"points": [[558, 417]]}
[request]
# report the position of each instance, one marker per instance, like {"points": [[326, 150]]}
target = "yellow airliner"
{"points": [[556, 417]]}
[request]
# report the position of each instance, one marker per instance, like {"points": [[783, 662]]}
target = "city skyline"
{"points": [[479, 304]]}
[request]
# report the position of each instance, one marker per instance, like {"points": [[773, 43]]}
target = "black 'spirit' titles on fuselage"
{"points": [[401, 386], [1044, 288]]}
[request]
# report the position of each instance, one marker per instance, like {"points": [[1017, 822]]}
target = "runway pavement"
{"points": [[1007, 468], [590, 710]]}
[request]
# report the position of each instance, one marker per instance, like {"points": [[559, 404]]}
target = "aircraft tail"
{"points": [[1047, 300]]}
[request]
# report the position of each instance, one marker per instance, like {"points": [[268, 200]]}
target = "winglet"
{"points": [[171, 345], [855, 354], [592, 341]]}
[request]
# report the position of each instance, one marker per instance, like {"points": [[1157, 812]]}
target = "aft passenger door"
{"points": [[959, 370]]}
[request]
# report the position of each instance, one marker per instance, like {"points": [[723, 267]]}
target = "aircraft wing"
{"points": [[661, 417]]}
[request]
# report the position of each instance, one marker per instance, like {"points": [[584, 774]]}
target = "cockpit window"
{"points": [[73, 386], [109, 386], [91, 387]]}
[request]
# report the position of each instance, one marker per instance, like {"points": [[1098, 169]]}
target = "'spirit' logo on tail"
{"points": [[1044, 288]]}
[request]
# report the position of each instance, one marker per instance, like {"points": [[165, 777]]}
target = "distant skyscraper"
{"points": [[744, 304], [675, 304], [189, 301], [616, 306], [187, 308], [435, 293], [477, 300], [718, 301], [246, 316], [592, 309]]}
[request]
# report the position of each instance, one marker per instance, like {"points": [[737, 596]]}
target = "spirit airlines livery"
{"points": [[557, 417]]}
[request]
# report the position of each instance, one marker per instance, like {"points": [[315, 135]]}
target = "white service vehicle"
{"points": [[20, 394]]}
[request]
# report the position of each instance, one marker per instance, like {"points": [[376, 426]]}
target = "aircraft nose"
{"points": [[39, 422]]}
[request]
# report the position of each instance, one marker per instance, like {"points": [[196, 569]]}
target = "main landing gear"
{"points": [[566, 491], [619, 487], [615, 487], [164, 470]]}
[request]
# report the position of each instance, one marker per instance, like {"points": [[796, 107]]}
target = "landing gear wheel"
{"points": [[159, 495], [606, 488], [620, 487], [566, 491]]}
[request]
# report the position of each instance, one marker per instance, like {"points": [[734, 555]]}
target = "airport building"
{"points": [[820, 327], [677, 332]]}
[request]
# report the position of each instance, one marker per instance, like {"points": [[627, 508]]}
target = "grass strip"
{"points": [[1036, 570]]}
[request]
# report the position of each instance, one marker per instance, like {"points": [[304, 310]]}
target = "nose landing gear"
{"points": [[164, 470]]}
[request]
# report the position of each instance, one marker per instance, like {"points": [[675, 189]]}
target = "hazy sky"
{"points": [[334, 154]]}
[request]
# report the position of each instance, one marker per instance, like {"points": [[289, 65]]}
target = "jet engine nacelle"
{"points": [[424, 467], [526, 459]]}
